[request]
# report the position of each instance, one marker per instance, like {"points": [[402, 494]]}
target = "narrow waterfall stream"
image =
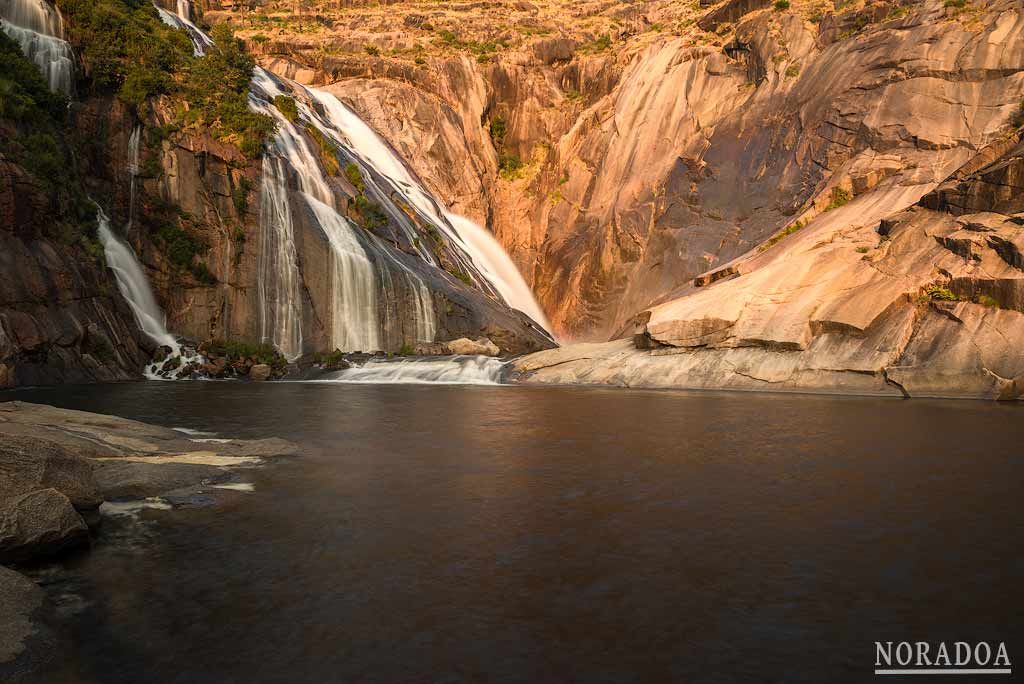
{"points": [[133, 172], [134, 287], [37, 27]]}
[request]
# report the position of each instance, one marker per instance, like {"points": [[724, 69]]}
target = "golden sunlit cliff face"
{"points": [[618, 150], [727, 176]]}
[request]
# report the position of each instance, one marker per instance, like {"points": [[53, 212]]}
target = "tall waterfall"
{"points": [[278, 284], [486, 253], [134, 287], [37, 28], [355, 321], [363, 290]]}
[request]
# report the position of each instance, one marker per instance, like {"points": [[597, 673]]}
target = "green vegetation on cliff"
{"points": [[127, 50]]}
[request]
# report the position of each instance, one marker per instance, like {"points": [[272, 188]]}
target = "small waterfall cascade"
{"points": [[183, 20], [134, 287], [133, 171], [37, 27], [457, 370]]}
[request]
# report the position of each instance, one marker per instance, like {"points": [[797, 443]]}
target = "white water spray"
{"points": [[457, 370], [37, 28]]}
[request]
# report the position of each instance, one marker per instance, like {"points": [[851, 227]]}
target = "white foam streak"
{"points": [[455, 370]]}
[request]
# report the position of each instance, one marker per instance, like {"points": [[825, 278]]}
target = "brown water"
{"points": [[514, 534]]}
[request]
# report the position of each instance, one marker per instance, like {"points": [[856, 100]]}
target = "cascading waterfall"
{"points": [[279, 290], [355, 323], [38, 29], [134, 287], [133, 171], [183, 20], [356, 315], [487, 255], [361, 281]]}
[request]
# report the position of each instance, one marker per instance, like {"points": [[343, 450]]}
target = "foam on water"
{"points": [[455, 370]]}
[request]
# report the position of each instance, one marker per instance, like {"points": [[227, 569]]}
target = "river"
{"points": [[522, 534]]}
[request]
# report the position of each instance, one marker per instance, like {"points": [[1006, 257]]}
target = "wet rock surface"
{"points": [[61, 469]]}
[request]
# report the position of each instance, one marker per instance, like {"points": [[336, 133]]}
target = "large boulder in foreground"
{"points": [[39, 523], [41, 485], [29, 463]]}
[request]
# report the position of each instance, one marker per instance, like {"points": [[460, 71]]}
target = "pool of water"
{"points": [[540, 534]]}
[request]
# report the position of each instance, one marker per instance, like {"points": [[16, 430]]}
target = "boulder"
{"points": [[19, 598], [467, 347], [260, 372], [39, 523], [28, 464]]}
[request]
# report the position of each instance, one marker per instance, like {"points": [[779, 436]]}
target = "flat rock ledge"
{"points": [[59, 467]]}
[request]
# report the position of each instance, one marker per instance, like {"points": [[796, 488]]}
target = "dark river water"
{"points": [[519, 534]]}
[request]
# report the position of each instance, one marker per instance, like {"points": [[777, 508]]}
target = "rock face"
{"points": [[19, 599], [61, 319], [43, 486], [924, 302], [660, 156]]}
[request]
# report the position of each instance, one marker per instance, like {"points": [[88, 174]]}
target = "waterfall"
{"points": [[278, 288], [183, 20], [134, 287], [457, 370], [487, 255], [361, 282], [133, 171], [37, 28], [355, 318]]}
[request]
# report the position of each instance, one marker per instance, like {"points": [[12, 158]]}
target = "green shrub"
{"points": [[940, 293], [497, 130], [328, 150], [371, 214], [600, 45], [461, 275], [286, 105], [259, 39], [986, 300], [180, 248], [240, 195], [201, 272], [355, 177], [781, 5], [238, 350], [840, 197], [406, 350], [510, 166], [778, 237], [371, 50], [793, 70]]}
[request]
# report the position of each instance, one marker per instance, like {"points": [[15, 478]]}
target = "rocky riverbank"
{"points": [[62, 471]]}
